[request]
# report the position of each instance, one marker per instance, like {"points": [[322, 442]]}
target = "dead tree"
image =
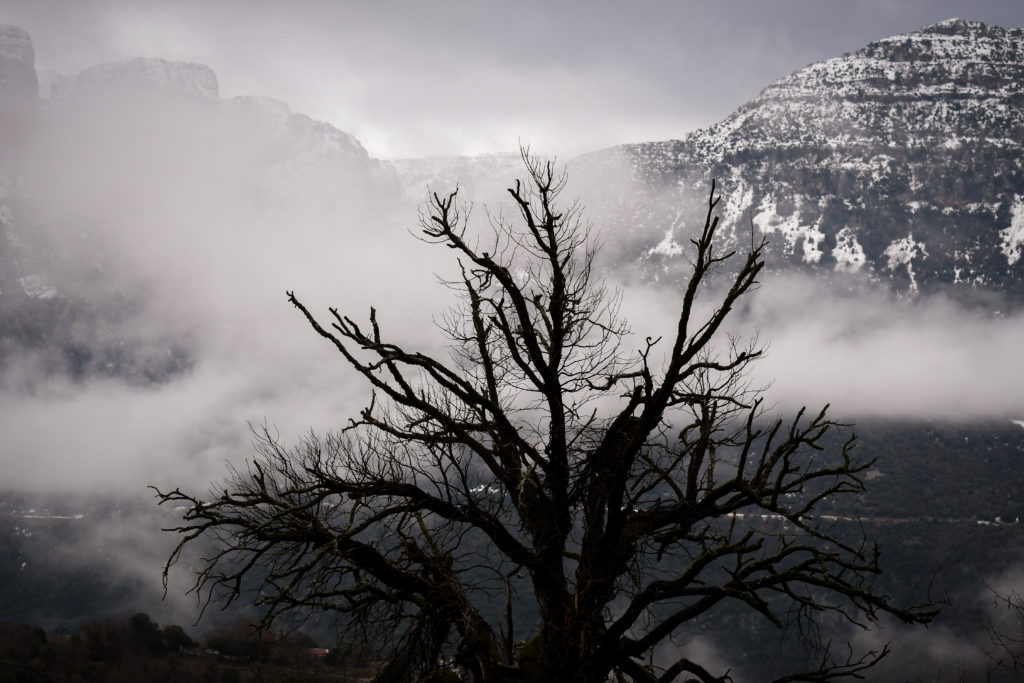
{"points": [[544, 471], [1007, 631]]}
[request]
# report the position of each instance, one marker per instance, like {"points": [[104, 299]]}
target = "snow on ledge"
{"points": [[848, 253], [1013, 236], [902, 252], [668, 245], [37, 287], [768, 220]]}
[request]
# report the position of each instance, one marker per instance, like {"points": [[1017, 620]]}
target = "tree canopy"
{"points": [[544, 504]]}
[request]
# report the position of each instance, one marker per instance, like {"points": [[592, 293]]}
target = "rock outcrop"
{"points": [[902, 162]]}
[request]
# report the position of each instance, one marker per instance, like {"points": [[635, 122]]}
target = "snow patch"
{"points": [[848, 253], [37, 287], [737, 204], [1013, 236], [902, 252], [738, 201], [668, 245], [768, 220]]}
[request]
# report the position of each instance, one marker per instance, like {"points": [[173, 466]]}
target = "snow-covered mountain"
{"points": [[901, 162], [183, 78]]}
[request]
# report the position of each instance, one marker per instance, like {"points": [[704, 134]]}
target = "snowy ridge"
{"points": [[17, 62], [305, 139], [837, 163], [956, 80], [140, 73]]}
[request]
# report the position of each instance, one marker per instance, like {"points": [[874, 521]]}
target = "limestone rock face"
{"points": [[184, 78], [901, 162], [17, 64]]}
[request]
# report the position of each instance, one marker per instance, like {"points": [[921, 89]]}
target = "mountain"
{"points": [[17, 63], [901, 162], [184, 78], [482, 177], [73, 300]]}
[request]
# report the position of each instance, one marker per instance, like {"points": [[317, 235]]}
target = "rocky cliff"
{"points": [[901, 162], [17, 63]]}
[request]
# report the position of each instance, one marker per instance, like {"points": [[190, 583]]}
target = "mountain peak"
{"points": [[957, 26], [17, 62], [14, 41], [901, 161], [142, 73]]}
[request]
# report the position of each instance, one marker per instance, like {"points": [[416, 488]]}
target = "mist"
{"points": [[828, 337], [193, 217], [180, 224], [872, 354]]}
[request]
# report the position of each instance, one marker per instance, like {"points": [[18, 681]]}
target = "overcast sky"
{"points": [[413, 78]]}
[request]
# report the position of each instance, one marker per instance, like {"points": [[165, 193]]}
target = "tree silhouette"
{"points": [[545, 505]]}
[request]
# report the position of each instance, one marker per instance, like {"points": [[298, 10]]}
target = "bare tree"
{"points": [[544, 505], [1007, 631]]}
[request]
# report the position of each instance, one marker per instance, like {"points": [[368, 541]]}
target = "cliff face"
{"points": [[18, 86], [17, 64], [184, 78], [900, 162]]}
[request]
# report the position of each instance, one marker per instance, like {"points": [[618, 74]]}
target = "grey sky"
{"points": [[414, 78]]}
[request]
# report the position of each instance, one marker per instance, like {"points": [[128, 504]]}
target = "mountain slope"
{"points": [[902, 161]]}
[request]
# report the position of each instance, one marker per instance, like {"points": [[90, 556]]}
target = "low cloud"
{"points": [[199, 218], [180, 225], [874, 355], [865, 351]]}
